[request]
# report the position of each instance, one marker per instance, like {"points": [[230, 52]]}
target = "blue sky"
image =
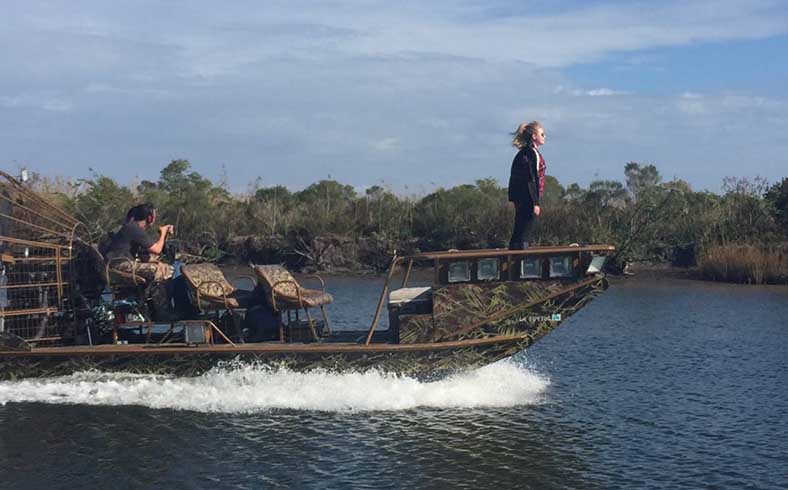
{"points": [[414, 95]]}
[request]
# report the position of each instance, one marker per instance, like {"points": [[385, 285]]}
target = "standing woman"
{"points": [[526, 181]]}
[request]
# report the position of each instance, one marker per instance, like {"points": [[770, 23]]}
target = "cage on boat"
{"points": [[37, 263]]}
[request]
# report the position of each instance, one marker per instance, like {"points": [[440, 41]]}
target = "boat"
{"points": [[64, 309]]}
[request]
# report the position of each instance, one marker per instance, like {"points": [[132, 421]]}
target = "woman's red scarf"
{"points": [[541, 170]]}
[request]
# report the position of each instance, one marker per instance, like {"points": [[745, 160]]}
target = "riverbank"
{"points": [[695, 273]]}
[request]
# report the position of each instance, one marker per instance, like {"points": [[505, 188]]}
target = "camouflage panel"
{"points": [[428, 363], [415, 329], [466, 311], [522, 324]]}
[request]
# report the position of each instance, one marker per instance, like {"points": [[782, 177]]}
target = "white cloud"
{"points": [[206, 42], [691, 105], [292, 91], [743, 102], [583, 92], [386, 144], [728, 106], [37, 101], [604, 91], [597, 92]]}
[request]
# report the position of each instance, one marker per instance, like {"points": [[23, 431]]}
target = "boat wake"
{"points": [[248, 389]]}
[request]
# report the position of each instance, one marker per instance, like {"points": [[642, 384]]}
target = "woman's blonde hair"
{"points": [[524, 135]]}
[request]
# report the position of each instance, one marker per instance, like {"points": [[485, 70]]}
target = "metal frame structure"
{"points": [[37, 263]]}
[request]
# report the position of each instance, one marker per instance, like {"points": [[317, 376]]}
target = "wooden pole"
{"points": [[407, 273], [382, 298]]}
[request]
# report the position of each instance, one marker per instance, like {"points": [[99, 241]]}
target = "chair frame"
{"points": [[140, 285], [231, 310], [301, 305]]}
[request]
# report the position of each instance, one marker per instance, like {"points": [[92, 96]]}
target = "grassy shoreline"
{"points": [[745, 264]]}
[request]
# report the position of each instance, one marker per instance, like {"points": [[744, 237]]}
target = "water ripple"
{"points": [[658, 384]]}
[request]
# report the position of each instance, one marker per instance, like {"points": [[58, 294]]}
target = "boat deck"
{"points": [[487, 252], [262, 347]]}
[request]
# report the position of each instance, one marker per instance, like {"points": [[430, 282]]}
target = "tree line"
{"points": [[646, 217]]}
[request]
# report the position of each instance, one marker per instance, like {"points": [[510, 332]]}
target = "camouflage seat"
{"points": [[211, 289], [121, 273], [284, 294], [97, 275], [108, 271]]}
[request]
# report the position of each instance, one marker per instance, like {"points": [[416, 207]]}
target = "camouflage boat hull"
{"points": [[483, 334]]}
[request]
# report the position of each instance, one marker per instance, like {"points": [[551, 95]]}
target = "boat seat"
{"points": [[112, 277], [117, 278], [212, 290], [410, 295], [284, 294]]}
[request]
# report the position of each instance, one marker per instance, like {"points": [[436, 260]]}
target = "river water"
{"points": [[659, 383]]}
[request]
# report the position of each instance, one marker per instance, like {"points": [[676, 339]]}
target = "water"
{"points": [[660, 383]]}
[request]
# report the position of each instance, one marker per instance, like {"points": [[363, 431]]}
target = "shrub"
{"points": [[747, 264]]}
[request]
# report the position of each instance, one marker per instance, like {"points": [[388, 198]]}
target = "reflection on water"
{"points": [[660, 383]]}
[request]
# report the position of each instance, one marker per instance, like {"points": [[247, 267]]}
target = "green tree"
{"points": [[641, 178], [327, 207], [554, 192], [269, 211], [645, 219], [465, 216], [745, 217], [101, 203], [201, 211], [777, 201], [384, 215]]}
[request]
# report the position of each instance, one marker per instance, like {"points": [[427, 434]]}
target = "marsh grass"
{"points": [[747, 264]]}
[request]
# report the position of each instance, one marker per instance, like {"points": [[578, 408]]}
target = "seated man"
{"points": [[133, 250]]}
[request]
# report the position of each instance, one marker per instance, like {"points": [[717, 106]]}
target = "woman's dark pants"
{"points": [[523, 223]]}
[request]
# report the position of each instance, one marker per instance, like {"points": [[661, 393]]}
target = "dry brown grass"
{"points": [[748, 264]]}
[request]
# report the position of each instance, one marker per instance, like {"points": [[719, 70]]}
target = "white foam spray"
{"points": [[247, 389]]}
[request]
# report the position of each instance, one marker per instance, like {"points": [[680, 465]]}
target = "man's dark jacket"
{"points": [[524, 179]]}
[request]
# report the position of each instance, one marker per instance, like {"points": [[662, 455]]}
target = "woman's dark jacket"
{"points": [[524, 179]]}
